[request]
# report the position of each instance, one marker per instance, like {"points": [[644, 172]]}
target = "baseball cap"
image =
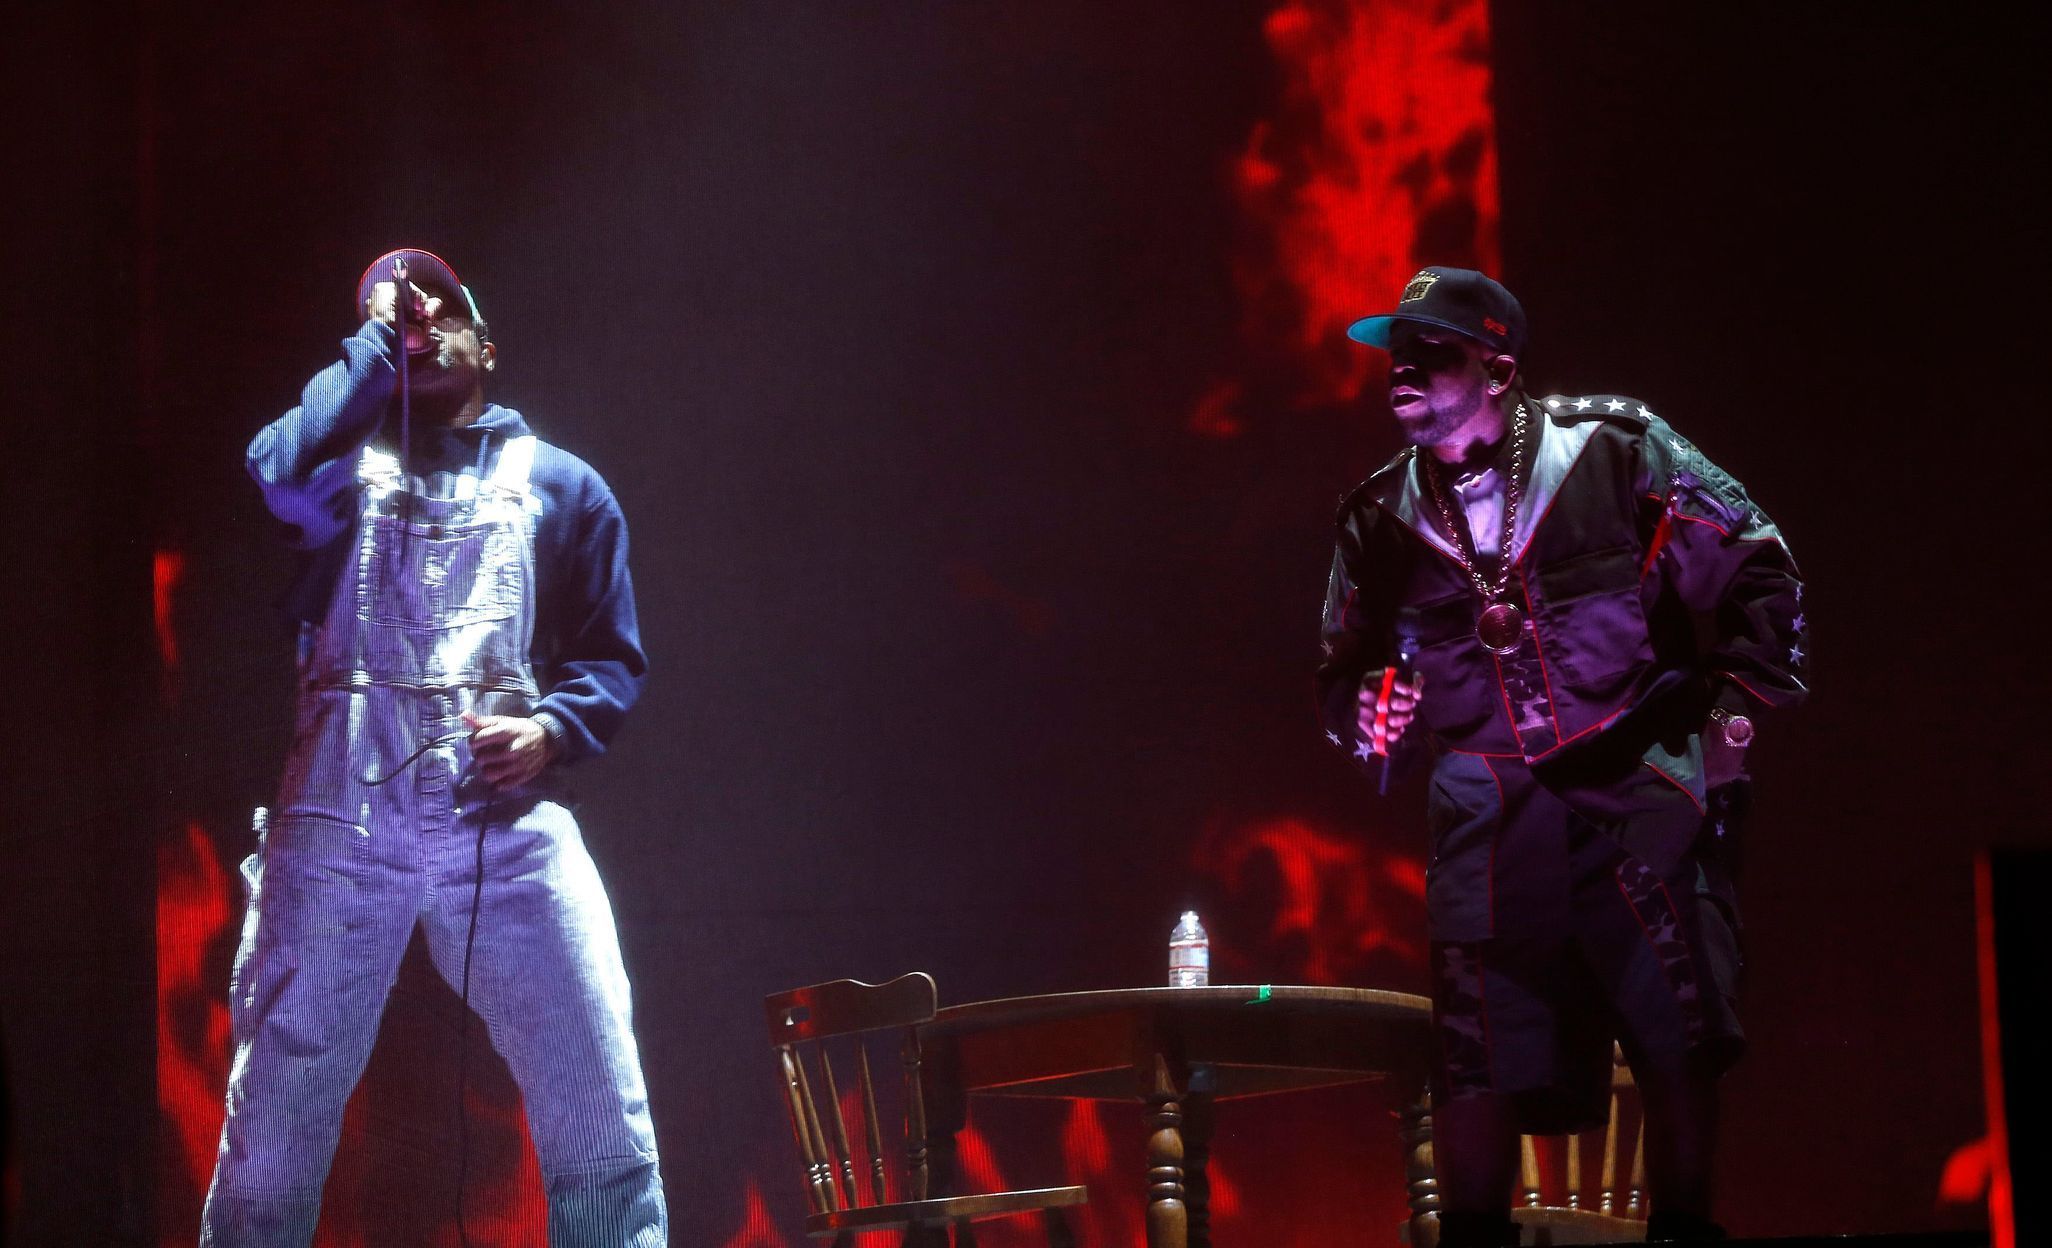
{"points": [[1462, 300], [424, 268]]}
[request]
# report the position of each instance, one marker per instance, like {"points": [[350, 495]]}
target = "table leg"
{"points": [[1168, 1224], [1197, 1119], [1414, 1128]]}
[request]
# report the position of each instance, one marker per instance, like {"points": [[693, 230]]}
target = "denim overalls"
{"points": [[377, 827]]}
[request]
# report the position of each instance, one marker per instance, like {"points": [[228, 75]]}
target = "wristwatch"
{"points": [[1737, 729]]}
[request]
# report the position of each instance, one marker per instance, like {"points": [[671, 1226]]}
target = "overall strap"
{"points": [[377, 467], [516, 465]]}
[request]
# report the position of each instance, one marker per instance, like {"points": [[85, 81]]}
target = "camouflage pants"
{"points": [[1645, 960]]}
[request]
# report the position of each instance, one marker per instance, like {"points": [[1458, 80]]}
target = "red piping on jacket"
{"points": [[1749, 541], [1700, 808], [1598, 726], [1756, 694], [1654, 547]]}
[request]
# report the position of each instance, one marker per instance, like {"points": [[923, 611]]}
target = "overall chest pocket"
{"points": [[1593, 621], [428, 575]]}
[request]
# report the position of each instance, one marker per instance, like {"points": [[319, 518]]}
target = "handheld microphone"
{"points": [[1407, 654], [401, 288], [402, 299]]}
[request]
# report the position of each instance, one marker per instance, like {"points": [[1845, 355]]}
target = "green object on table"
{"points": [[1266, 993]]}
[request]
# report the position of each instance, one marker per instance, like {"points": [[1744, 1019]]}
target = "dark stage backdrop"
{"points": [[971, 378]]}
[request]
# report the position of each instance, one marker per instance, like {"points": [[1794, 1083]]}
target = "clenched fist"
{"points": [[1381, 720], [510, 749]]}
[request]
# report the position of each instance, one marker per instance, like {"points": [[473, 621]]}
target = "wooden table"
{"points": [[1178, 1051]]}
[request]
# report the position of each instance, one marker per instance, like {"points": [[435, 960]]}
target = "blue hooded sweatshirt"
{"points": [[587, 644]]}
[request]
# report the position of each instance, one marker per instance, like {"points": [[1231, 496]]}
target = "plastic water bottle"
{"points": [[1189, 954]]}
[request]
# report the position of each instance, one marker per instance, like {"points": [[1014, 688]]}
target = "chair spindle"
{"points": [[915, 1109], [1635, 1203], [823, 1162], [843, 1154], [1574, 1171], [879, 1191], [794, 1090], [1608, 1201]]}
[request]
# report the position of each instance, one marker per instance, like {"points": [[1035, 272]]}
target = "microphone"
{"points": [[1407, 654], [402, 303]]}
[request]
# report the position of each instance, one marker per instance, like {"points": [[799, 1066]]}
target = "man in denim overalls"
{"points": [[468, 623]]}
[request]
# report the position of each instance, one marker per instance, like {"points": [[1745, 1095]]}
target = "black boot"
{"points": [[1476, 1230], [1685, 1227]]}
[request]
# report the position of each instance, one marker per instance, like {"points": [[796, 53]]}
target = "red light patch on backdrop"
{"points": [[1379, 158], [193, 914], [167, 569], [1336, 908], [758, 1228]]}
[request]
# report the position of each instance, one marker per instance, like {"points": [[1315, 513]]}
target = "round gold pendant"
{"points": [[1501, 628]]}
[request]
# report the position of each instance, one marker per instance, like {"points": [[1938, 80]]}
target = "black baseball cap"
{"points": [[423, 268], [1462, 300]]}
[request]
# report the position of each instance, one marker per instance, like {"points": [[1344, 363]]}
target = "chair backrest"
{"points": [[1573, 1192], [851, 1013]]}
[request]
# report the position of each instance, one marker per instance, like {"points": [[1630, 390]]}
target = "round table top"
{"points": [[1293, 998]]}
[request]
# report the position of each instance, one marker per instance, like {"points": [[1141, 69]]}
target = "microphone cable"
{"points": [[402, 297], [463, 1029]]}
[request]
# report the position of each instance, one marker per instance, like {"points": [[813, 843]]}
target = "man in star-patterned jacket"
{"points": [[1586, 701]]}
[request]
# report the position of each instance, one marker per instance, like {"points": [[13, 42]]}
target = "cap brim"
{"points": [[427, 268], [1374, 330]]}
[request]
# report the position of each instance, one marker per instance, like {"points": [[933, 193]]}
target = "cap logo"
{"points": [[1418, 286], [1496, 327]]}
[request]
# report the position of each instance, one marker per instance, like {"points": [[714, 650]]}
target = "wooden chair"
{"points": [[847, 1195], [1576, 1214]]}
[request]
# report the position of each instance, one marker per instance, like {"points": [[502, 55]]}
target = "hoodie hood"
{"points": [[438, 448], [500, 422]]}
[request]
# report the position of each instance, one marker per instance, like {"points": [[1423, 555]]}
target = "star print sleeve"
{"points": [[1730, 565], [1353, 638]]}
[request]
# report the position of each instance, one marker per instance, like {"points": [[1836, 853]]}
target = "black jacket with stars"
{"points": [[1652, 586]]}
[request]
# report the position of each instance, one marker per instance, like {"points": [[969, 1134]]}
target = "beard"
{"points": [[1432, 424], [438, 369]]}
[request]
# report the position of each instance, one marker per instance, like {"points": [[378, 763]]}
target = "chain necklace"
{"points": [[1501, 626]]}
